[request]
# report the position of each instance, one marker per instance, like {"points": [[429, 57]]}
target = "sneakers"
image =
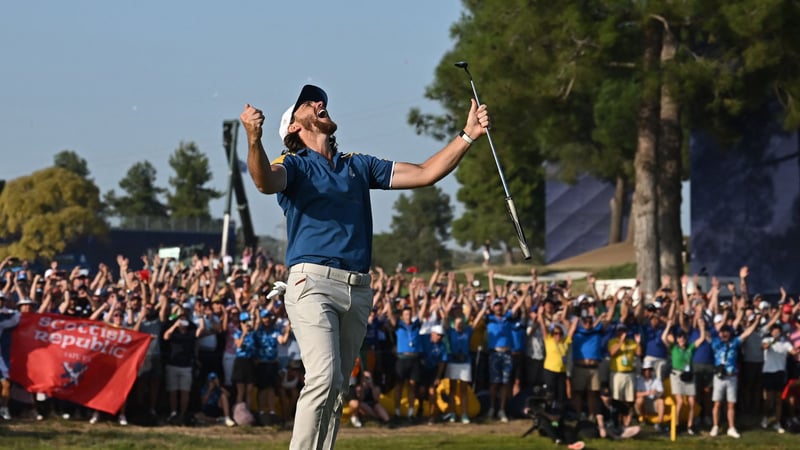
{"points": [[355, 422], [123, 420], [690, 431], [714, 431], [449, 417], [465, 419], [65, 416], [733, 433], [502, 416], [94, 419], [490, 415], [39, 417], [777, 427], [4, 413], [578, 445], [764, 422], [173, 417], [229, 422]]}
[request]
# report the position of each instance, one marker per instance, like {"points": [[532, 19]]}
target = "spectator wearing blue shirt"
{"points": [[215, 401], [726, 353], [587, 353], [499, 325], [407, 369], [654, 350], [244, 370], [433, 362], [459, 367], [267, 338], [702, 361]]}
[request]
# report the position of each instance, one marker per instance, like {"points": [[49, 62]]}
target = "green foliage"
{"points": [[42, 213], [68, 159], [142, 194], [419, 230], [190, 197]]}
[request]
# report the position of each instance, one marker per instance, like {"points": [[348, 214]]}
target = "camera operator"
{"points": [[549, 419]]}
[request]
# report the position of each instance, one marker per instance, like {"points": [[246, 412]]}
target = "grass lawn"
{"points": [[80, 435]]}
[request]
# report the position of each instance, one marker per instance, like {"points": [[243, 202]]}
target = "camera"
{"points": [[720, 371]]}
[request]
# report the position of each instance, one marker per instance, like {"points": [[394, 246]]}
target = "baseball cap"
{"points": [[212, 376], [244, 316], [308, 93], [497, 301], [438, 330], [647, 364], [787, 308], [266, 313]]}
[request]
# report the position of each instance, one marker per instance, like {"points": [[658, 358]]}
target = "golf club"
{"points": [[512, 209]]}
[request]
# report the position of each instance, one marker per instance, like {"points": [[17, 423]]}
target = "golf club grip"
{"points": [[523, 243]]}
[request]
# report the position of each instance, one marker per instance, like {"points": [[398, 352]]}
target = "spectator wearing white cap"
{"points": [[681, 377], [649, 394], [557, 342], [776, 347], [433, 360], [459, 367]]}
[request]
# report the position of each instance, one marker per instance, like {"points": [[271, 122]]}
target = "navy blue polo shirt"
{"points": [[328, 210]]}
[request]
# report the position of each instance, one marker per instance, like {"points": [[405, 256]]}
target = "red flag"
{"points": [[84, 361]]}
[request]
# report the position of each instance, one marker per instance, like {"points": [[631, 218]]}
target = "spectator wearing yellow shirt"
{"points": [[623, 351], [556, 348]]}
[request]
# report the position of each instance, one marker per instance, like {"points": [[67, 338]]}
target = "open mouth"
{"points": [[322, 113]]}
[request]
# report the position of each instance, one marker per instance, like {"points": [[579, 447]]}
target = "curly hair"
{"points": [[294, 143]]}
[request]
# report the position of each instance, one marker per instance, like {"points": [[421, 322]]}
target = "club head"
{"points": [[461, 65]]}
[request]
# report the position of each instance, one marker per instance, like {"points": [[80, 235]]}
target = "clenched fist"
{"points": [[252, 119]]}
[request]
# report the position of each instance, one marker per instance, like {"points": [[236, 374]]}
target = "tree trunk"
{"points": [[617, 212], [669, 182], [645, 162]]}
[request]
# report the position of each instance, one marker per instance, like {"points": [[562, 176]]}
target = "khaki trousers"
{"points": [[329, 320]]}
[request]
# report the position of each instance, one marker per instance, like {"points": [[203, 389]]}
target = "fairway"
{"points": [[80, 435]]}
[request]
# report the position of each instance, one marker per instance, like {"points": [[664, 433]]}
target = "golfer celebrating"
{"points": [[325, 198]]}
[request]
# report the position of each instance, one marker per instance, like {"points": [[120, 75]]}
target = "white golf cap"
{"points": [[437, 329], [308, 93], [286, 119]]}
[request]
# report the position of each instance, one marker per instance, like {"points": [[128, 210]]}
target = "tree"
{"points": [[190, 197], [42, 213], [68, 159], [418, 231], [142, 194]]}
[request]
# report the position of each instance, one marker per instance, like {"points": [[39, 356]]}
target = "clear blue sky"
{"points": [[123, 82]]}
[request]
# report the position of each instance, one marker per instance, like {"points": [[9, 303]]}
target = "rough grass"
{"points": [[80, 435]]}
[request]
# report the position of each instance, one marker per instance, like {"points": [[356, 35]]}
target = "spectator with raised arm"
{"points": [[726, 354], [681, 378], [408, 349]]}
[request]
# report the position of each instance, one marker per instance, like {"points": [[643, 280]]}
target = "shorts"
{"points": [[500, 365], [680, 387], [585, 379], [703, 376], [724, 389], [244, 371], [459, 371], [774, 381], [649, 406], [178, 378], [623, 386], [266, 374], [407, 369]]}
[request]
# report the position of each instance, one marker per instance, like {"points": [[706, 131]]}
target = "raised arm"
{"points": [[268, 178], [408, 175]]}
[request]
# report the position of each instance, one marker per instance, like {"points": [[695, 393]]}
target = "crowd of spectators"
{"points": [[223, 349]]}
